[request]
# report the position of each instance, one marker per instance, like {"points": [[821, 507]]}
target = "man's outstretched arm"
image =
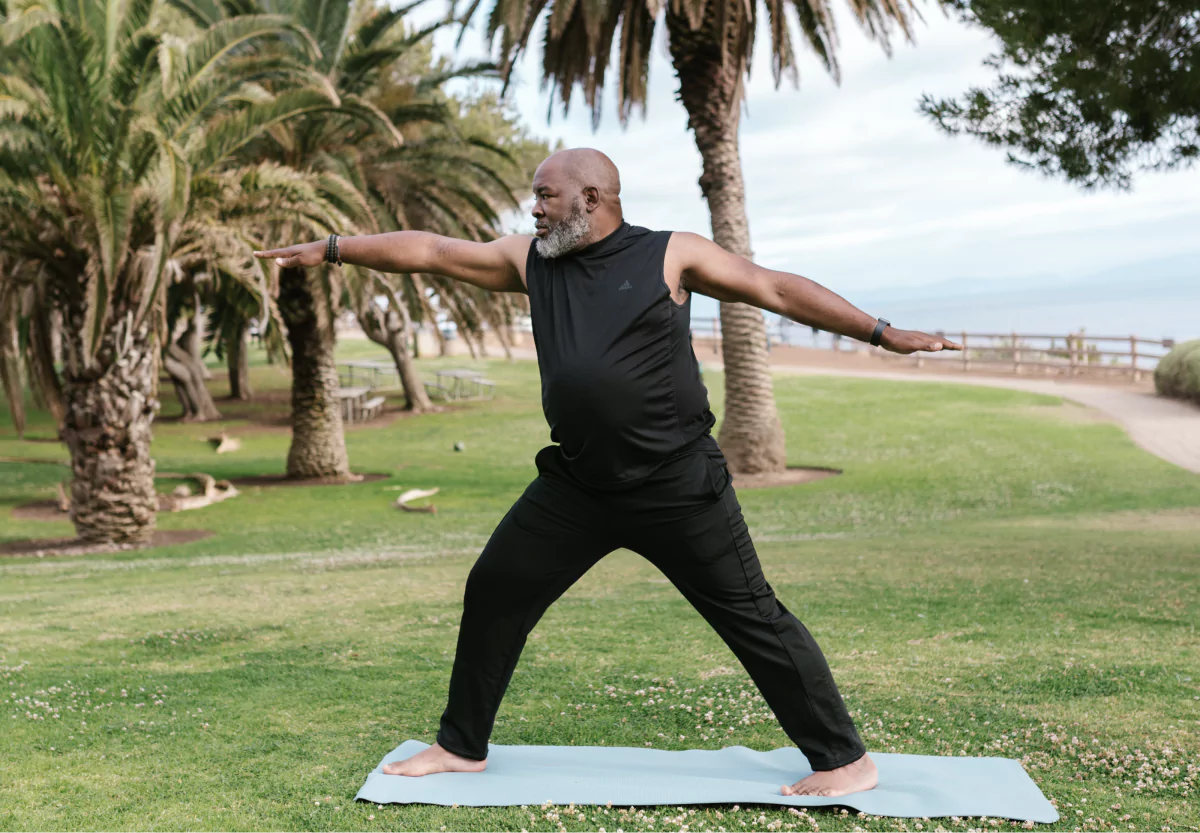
{"points": [[498, 265], [710, 270]]}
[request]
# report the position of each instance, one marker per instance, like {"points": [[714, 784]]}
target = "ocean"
{"points": [[1149, 309]]}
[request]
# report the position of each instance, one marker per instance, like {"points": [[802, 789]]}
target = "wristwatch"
{"points": [[332, 254], [880, 326]]}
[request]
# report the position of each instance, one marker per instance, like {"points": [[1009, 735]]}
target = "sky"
{"points": [[850, 186]]}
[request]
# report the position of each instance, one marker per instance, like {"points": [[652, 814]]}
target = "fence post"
{"points": [[714, 339], [966, 364], [1016, 356], [1133, 357], [1072, 359]]}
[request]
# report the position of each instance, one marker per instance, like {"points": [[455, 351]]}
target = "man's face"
{"points": [[561, 220]]}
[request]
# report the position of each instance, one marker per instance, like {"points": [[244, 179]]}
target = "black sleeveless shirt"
{"points": [[621, 388]]}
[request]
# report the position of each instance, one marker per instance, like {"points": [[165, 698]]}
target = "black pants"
{"points": [[686, 520]]}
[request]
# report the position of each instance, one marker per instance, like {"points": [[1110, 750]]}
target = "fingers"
{"points": [[283, 257], [935, 344]]}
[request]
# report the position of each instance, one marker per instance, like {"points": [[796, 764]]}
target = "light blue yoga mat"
{"points": [[910, 786]]}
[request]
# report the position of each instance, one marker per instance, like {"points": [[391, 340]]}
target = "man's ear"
{"points": [[591, 198]]}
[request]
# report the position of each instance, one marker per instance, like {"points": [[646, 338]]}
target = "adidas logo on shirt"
{"points": [[626, 285]]}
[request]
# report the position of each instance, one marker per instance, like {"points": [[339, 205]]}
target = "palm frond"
{"points": [[202, 12], [229, 135], [205, 54], [23, 18], [362, 108], [478, 69], [379, 25]]}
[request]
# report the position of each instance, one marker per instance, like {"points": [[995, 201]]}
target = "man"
{"points": [[636, 465]]}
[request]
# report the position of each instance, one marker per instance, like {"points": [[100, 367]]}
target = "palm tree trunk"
{"points": [[461, 329], [710, 89], [41, 358], [318, 446], [187, 374], [430, 317], [410, 380], [237, 360], [194, 337], [109, 408], [497, 325], [398, 325], [390, 328]]}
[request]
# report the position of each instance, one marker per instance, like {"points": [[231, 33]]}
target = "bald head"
{"points": [[577, 200], [586, 167]]}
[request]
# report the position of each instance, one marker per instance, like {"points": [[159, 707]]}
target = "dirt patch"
{"points": [[47, 510], [284, 480], [73, 546], [790, 476], [39, 510]]}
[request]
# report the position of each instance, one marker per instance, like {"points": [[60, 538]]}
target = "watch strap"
{"points": [[880, 325]]}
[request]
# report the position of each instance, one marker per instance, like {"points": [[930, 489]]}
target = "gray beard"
{"points": [[565, 235]]}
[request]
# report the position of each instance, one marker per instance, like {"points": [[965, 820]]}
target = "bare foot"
{"points": [[851, 778], [431, 760]]}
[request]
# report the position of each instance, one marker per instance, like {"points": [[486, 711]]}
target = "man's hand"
{"points": [[910, 341], [497, 266], [302, 254]]}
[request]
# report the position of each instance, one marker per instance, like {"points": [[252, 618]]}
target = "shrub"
{"points": [[1178, 372]]}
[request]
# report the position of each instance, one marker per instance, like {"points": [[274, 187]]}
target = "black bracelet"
{"points": [[880, 325], [332, 253]]}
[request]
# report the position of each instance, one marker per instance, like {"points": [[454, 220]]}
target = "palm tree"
{"points": [[27, 330], [110, 129], [452, 178], [711, 44], [357, 44], [211, 264], [393, 160], [232, 308]]}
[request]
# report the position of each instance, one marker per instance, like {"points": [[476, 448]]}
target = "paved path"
{"points": [[1167, 428]]}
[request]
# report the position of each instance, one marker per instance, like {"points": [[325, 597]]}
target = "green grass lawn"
{"points": [[995, 573]]}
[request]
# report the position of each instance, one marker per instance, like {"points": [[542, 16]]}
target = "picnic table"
{"points": [[461, 383], [370, 369], [352, 399], [356, 406]]}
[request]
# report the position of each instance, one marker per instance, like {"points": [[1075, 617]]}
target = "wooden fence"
{"points": [[1072, 354]]}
